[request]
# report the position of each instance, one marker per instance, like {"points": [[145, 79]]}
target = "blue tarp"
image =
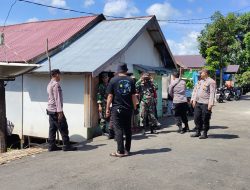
{"points": [[225, 76], [195, 77]]}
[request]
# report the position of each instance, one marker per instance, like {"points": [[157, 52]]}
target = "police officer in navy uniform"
{"points": [[203, 99]]}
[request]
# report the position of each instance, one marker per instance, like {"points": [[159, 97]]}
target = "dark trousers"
{"points": [[121, 119], [180, 113], [202, 117], [62, 126]]}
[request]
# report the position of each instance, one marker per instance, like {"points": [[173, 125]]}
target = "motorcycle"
{"points": [[220, 95], [228, 94], [236, 93]]}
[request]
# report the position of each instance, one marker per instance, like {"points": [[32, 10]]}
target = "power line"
{"points": [[176, 21], [8, 14], [109, 16]]}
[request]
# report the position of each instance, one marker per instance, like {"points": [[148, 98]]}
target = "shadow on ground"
{"points": [[86, 147], [218, 127], [223, 136], [245, 97], [152, 151], [142, 137]]}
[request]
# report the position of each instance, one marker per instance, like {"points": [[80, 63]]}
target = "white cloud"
{"points": [[163, 11], [59, 3], [88, 3], [199, 9], [187, 46], [56, 3], [33, 19], [120, 8]]}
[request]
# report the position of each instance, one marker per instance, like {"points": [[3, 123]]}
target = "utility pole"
{"points": [[3, 120]]}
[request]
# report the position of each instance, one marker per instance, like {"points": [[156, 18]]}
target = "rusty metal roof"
{"points": [[25, 42]]}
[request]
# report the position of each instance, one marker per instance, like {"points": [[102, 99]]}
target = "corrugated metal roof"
{"points": [[151, 69], [97, 46], [232, 69], [190, 61], [27, 41]]}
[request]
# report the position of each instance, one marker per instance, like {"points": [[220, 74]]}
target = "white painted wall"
{"points": [[35, 102], [142, 52]]}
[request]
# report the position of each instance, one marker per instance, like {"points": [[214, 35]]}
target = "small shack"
{"points": [[99, 47]]}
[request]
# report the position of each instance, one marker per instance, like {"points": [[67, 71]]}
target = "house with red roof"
{"points": [[81, 48]]}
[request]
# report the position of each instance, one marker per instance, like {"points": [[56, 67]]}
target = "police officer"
{"points": [[102, 102], [203, 102], [146, 90], [177, 90], [57, 120]]}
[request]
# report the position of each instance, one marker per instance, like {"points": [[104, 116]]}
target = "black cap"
{"points": [[176, 74], [104, 75], [55, 71], [122, 68]]}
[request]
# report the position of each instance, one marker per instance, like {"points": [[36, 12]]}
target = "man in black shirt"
{"points": [[121, 93]]}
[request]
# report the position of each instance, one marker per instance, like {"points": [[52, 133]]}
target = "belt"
{"points": [[201, 103]]}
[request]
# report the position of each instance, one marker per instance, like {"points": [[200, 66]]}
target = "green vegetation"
{"points": [[226, 41]]}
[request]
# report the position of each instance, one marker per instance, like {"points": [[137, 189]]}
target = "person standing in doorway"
{"points": [[177, 90], [146, 89], [57, 119], [122, 95], [203, 102], [102, 102]]}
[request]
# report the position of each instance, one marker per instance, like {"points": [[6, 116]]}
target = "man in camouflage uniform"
{"points": [[146, 88], [102, 101]]}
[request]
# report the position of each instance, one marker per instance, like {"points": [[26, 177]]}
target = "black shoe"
{"points": [[153, 132], [69, 148], [203, 136], [54, 148], [184, 130], [197, 134], [110, 137]]}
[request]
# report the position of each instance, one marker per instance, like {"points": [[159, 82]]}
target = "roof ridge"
{"points": [[52, 20], [188, 55], [131, 18]]}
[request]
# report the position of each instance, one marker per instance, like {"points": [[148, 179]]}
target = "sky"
{"points": [[180, 37]]}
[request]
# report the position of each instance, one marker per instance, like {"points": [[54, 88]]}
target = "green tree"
{"points": [[225, 41]]}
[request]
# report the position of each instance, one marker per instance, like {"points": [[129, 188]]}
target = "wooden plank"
{"points": [[94, 113], [3, 121]]}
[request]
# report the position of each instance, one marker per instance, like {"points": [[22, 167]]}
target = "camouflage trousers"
{"points": [[147, 114], [104, 122]]}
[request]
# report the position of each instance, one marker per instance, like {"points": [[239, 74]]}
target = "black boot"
{"points": [[196, 134], [69, 147], [204, 135], [53, 148], [180, 129], [185, 129], [153, 131]]}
